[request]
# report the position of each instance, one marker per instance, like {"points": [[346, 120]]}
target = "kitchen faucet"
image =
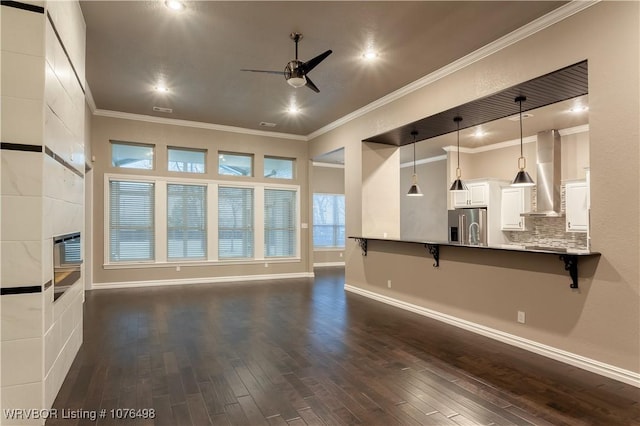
{"points": [[474, 236]]}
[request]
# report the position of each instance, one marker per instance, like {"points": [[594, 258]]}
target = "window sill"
{"points": [[173, 264]]}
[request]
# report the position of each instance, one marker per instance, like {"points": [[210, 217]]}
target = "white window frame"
{"points": [[161, 259]]}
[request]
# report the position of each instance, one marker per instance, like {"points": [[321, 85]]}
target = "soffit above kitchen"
{"points": [[199, 52]]}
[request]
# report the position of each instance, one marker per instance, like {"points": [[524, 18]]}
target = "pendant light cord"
{"points": [[458, 122], [414, 133], [521, 127]]}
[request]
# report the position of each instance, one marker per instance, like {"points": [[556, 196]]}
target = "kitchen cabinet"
{"points": [[476, 195], [514, 201], [577, 206]]}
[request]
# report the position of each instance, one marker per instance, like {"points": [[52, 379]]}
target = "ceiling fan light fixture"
{"points": [[297, 82]]}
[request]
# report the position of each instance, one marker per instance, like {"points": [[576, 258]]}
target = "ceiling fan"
{"points": [[295, 72]]}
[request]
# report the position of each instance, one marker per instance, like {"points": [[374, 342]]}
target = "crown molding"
{"points": [[503, 42], [88, 97], [195, 124], [514, 142], [573, 130], [424, 161], [330, 165]]}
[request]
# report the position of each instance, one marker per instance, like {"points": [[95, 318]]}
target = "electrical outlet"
{"points": [[521, 317], [389, 283], [178, 268], [266, 265], [340, 254]]}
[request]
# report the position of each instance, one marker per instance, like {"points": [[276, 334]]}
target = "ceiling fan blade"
{"points": [[311, 63], [264, 71], [311, 86]]}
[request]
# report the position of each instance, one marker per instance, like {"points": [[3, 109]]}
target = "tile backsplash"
{"points": [[547, 231]]}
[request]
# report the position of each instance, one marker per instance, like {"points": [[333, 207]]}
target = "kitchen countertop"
{"points": [[507, 247]]}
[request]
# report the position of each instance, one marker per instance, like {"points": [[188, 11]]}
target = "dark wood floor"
{"points": [[304, 352]]}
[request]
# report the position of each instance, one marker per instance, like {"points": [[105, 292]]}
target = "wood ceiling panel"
{"points": [[566, 83]]}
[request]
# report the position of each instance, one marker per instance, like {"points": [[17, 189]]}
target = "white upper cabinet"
{"points": [[577, 206], [477, 195], [514, 202]]}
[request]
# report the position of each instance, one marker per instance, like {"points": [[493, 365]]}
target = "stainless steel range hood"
{"points": [[549, 163]]}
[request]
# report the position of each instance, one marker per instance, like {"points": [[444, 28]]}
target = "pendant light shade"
{"points": [[522, 177], [457, 184], [414, 190]]}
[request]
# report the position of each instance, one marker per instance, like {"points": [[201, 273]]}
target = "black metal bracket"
{"points": [[362, 242], [434, 250], [571, 265]]}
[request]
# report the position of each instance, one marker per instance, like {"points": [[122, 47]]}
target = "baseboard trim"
{"points": [[607, 370], [326, 264], [206, 280]]}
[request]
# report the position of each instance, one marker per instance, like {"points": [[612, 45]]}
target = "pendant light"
{"points": [[522, 178], [414, 191], [457, 184]]}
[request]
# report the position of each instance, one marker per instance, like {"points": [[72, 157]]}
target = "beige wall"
{"points": [[104, 129], [502, 163], [424, 218], [601, 320], [328, 180]]}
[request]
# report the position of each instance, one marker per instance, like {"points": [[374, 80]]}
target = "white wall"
{"points": [[42, 196]]}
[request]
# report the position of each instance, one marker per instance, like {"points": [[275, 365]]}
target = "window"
{"points": [[131, 156], [131, 221], [186, 160], [235, 164], [235, 222], [280, 224], [186, 221], [328, 221], [278, 168]]}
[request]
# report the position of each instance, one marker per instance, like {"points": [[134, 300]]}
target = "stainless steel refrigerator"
{"points": [[468, 226]]}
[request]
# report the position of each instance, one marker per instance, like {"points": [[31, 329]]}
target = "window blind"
{"points": [[131, 221], [279, 223], [235, 222], [186, 221]]}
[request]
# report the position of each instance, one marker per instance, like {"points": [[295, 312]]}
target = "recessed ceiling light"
{"points": [[175, 5], [162, 89], [293, 109], [479, 133], [370, 54], [525, 115], [579, 108]]}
